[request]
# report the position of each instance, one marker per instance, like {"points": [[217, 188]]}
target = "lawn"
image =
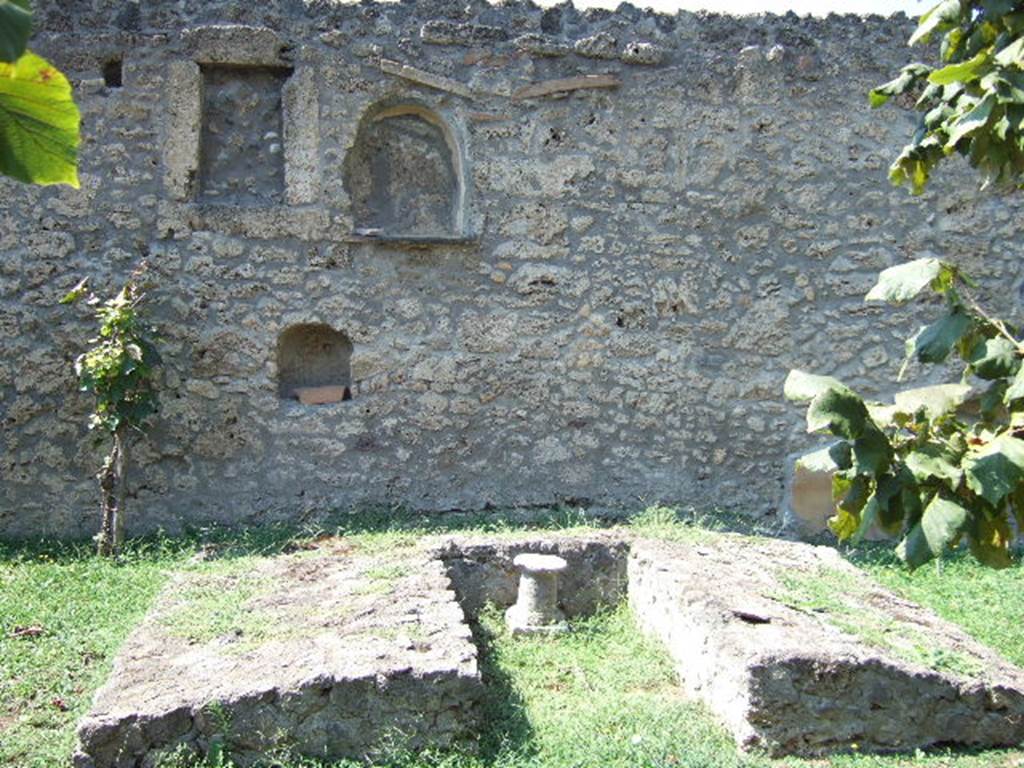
{"points": [[601, 696]]}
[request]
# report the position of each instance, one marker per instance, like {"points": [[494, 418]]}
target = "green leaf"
{"points": [[908, 76], [964, 71], [823, 460], [891, 491], [77, 292], [943, 14], [994, 358], [15, 28], [972, 121], [933, 461], [905, 281], [936, 400], [868, 518], [852, 495], [1012, 55], [997, 470], [1016, 389], [871, 451], [990, 541], [933, 343], [39, 123], [840, 411], [801, 386], [941, 524]]}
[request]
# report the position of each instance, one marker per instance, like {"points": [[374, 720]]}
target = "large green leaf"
{"points": [[941, 524], [1012, 55], [971, 122], [904, 281], [997, 470], [941, 15], [840, 411], [15, 27], [994, 358], [933, 343], [892, 490], [1016, 389], [936, 400], [801, 386], [868, 518], [871, 451], [39, 123], [933, 461], [907, 78], [963, 71]]}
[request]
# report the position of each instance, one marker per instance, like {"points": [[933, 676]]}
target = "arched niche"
{"points": [[314, 364], [404, 175]]}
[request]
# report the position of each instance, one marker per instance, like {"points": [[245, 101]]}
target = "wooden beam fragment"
{"points": [[429, 79], [564, 85]]}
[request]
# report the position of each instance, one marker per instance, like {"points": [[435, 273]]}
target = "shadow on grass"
{"points": [[505, 728]]}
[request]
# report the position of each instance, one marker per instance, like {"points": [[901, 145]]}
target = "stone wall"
{"points": [[597, 301]]}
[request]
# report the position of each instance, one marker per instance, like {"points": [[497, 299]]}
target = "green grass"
{"points": [[601, 696], [829, 592]]}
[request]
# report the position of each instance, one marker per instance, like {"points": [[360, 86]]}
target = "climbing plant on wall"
{"points": [[939, 464], [39, 122], [118, 369], [972, 103]]}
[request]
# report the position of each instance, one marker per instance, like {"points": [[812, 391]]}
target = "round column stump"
{"points": [[536, 610]]}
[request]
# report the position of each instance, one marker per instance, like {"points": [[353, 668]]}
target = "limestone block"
{"points": [[542, 45], [181, 142], [807, 505], [599, 46], [638, 52], [328, 656], [235, 44], [792, 672], [450, 33], [301, 120]]}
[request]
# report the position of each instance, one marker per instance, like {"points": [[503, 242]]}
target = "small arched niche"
{"points": [[404, 175], [314, 364]]}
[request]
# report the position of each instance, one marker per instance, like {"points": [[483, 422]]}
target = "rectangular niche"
{"points": [[241, 145]]}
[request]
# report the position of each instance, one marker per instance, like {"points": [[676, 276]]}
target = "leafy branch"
{"points": [[973, 104], [940, 464]]}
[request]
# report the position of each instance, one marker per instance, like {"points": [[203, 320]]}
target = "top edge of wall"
{"points": [[515, 16]]}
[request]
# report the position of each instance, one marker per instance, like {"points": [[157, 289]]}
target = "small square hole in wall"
{"points": [[113, 73], [241, 145]]}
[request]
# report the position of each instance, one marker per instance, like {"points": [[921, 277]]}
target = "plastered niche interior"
{"points": [[314, 356], [404, 175], [241, 155]]}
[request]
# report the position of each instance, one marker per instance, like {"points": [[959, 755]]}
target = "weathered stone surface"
{"points": [[638, 52], [483, 570], [634, 272], [600, 46], [542, 45], [798, 652], [450, 33], [807, 504], [328, 653], [536, 608]]}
